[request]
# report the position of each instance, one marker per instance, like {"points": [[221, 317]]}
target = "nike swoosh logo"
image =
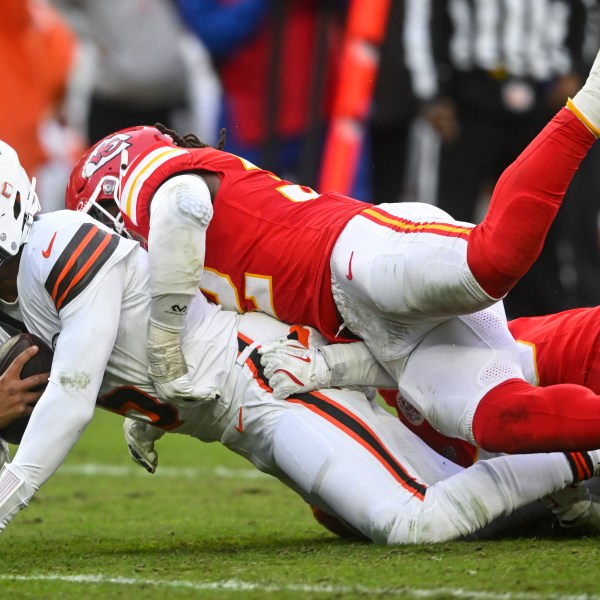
{"points": [[240, 425], [48, 250], [303, 358], [291, 376], [349, 273]]}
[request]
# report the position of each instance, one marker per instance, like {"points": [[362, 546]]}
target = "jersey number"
{"points": [[128, 401], [258, 289]]}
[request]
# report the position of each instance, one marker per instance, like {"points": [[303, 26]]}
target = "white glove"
{"points": [[291, 368], [4, 453], [140, 438], [168, 370], [181, 392]]}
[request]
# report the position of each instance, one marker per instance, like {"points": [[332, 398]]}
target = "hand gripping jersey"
{"points": [[269, 243]]}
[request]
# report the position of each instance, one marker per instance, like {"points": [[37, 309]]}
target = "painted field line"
{"points": [[247, 586], [93, 469]]}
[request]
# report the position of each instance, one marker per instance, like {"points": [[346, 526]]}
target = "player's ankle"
{"points": [[594, 456], [586, 107], [586, 102]]}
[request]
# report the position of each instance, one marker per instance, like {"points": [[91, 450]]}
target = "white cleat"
{"points": [[576, 509]]}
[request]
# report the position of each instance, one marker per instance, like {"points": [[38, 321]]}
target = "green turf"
{"points": [[206, 526]]}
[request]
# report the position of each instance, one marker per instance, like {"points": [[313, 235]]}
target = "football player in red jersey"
{"points": [[400, 277], [334, 448]]}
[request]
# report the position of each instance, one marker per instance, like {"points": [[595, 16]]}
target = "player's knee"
{"points": [[503, 419], [425, 521]]}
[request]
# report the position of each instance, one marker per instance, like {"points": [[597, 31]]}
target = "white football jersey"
{"points": [[85, 291]]}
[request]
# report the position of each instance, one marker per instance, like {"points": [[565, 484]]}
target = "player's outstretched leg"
{"points": [[464, 503], [529, 193]]}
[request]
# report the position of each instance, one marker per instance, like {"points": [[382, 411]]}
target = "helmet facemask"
{"points": [[103, 204]]}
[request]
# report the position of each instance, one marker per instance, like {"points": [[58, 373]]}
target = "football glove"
{"points": [[182, 393], [292, 368], [168, 370], [140, 438]]}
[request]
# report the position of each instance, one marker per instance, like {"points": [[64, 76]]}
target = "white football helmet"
{"points": [[18, 203]]}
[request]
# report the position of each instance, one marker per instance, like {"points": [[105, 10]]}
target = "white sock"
{"points": [[586, 102]]}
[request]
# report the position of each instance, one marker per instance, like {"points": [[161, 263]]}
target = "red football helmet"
{"points": [[95, 183]]}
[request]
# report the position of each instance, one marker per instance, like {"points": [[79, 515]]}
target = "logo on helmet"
{"points": [[106, 150]]}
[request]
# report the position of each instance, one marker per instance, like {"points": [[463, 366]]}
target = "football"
{"points": [[40, 363]]}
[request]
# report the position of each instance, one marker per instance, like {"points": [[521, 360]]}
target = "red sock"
{"points": [[526, 199], [516, 417]]}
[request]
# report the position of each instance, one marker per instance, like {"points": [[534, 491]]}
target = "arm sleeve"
{"points": [[353, 364], [87, 335], [180, 213]]}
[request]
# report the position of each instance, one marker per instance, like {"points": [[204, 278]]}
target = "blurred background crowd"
{"points": [[385, 100]]}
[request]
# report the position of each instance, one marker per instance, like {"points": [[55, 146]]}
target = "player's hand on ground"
{"points": [[140, 443], [16, 397], [291, 368]]}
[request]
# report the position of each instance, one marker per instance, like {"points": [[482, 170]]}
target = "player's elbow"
{"points": [[183, 198]]}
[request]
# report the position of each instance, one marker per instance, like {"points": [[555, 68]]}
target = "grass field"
{"points": [[207, 525]]}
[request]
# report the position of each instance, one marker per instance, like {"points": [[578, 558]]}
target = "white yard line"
{"points": [[247, 586], [92, 470]]}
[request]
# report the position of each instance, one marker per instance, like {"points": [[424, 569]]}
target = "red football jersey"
{"points": [[269, 243], [565, 346]]}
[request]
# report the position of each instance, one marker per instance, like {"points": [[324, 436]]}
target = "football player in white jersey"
{"points": [[84, 289]]}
